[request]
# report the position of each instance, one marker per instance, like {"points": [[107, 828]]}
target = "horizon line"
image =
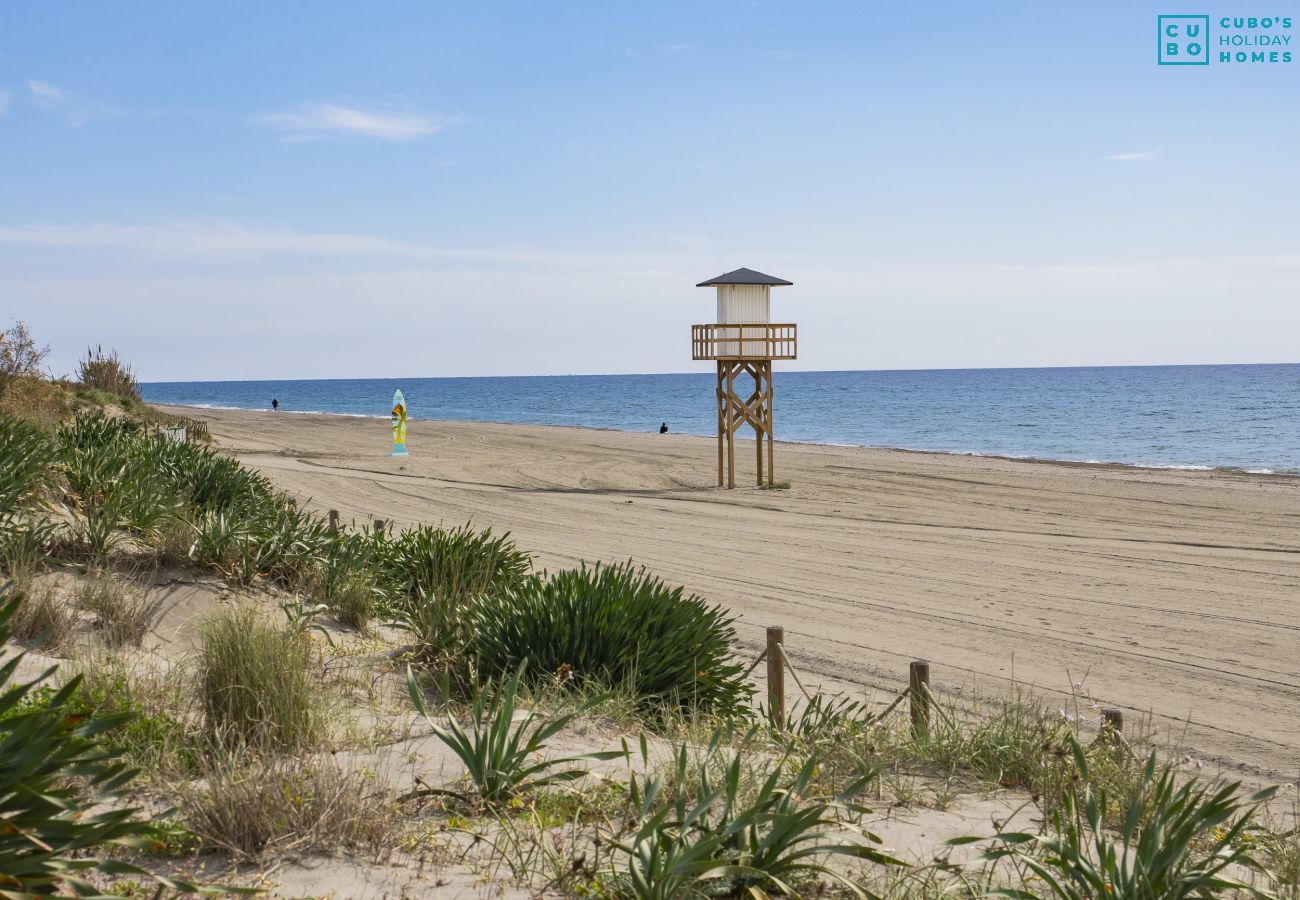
{"points": [[788, 372]]}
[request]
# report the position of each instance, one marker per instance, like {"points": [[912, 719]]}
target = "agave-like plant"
{"points": [[503, 757], [25, 456], [217, 534], [453, 566], [433, 577], [1175, 841], [702, 825], [617, 627], [60, 786]]}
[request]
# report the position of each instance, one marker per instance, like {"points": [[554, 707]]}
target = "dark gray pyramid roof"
{"points": [[743, 276]]}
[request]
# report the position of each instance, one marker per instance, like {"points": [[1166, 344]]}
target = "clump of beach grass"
{"points": [[108, 372], [252, 805], [344, 579], [256, 683], [172, 540], [123, 613], [42, 618], [160, 734]]}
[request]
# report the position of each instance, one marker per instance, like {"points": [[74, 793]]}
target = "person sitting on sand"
{"points": [[663, 429]]}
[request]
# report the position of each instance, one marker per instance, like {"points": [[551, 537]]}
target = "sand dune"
{"points": [[1171, 592]]}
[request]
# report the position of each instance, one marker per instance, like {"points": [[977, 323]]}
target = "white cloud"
{"points": [[236, 245], [62, 104], [47, 95], [315, 119], [4, 101], [338, 292], [1132, 157], [517, 319]]}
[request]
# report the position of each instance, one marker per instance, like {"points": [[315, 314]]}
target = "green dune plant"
{"points": [[618, 627], [108, 372], [345, 579], [705, 827], [1174, 840], [61, 787], [256, 682], [434, 577], [457, 565], [159, 736], [26, 473], [123, 481], [503, 747], [25, 464]]}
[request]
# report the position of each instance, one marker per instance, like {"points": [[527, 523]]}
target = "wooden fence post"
{"points": [[918, 683], [334, 521], [775, 675], [1112, 725]]}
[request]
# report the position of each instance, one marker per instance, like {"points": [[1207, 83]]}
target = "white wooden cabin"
{"points": [[744, 297]]}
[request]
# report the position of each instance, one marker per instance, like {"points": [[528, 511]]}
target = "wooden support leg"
{"points": [[731, 427], [771, 467], [721, 401]]}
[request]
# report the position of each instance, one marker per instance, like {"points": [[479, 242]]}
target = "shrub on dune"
{"points": [[108, 372], [435, 576], [456, 565], [256, 682], [614, 626], [344, 579], [24, 464]]}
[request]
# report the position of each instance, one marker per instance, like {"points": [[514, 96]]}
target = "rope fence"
{"points": [[922, 704]]}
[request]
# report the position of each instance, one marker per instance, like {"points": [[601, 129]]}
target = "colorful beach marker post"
{"points": [[399, 424]]}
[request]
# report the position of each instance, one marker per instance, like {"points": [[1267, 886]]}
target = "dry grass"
{"points": [[39, 402], [44, 619], [253, 805], [123, 614]]}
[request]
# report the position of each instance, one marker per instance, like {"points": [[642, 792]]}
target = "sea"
{"points": [[1242, 417]]}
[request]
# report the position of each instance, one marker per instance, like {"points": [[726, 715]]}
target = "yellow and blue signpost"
{"points": [[399, 425]]}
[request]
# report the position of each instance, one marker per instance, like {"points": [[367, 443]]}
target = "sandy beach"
{"points": [[1165, 592]]}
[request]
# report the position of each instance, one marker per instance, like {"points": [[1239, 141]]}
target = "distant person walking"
{"points": [[275, 405], [663, 429]]}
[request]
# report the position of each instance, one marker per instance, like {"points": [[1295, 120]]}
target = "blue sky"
{"points": [[255, 190]]}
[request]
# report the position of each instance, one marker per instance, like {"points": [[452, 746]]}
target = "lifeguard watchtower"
{"points": [[744, 341]]}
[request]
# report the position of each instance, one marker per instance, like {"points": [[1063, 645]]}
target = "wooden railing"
{"points": [[747, 340]]}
